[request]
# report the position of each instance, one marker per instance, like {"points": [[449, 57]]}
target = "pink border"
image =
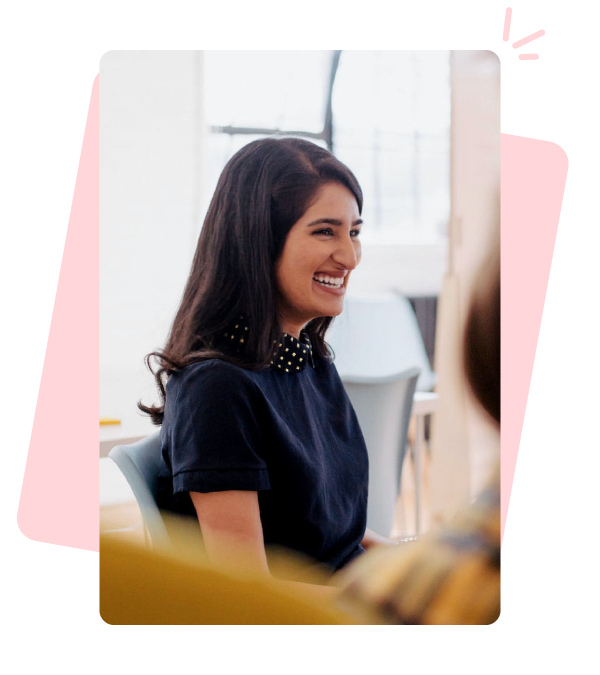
{"points": [[60, 494]]}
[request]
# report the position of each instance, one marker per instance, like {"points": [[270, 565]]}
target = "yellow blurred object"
{"points": [[105, 421], [141, 586]]}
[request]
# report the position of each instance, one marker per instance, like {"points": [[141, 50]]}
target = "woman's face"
{"points": [[320, 251]]}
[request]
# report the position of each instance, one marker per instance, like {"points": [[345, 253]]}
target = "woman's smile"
{"points": [[330, 283]]}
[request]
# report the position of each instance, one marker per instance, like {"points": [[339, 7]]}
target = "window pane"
{"points": [[392, 127], [268, 89]]}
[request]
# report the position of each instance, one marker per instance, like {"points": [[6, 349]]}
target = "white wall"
{"points": [[415, 270], [475, 222], [464, 444], [150, 165]]}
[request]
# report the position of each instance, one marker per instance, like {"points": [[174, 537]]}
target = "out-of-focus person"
{"points": [[453, 576]]}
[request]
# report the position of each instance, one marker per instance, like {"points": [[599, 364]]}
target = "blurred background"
{"points": [[421, 131]]}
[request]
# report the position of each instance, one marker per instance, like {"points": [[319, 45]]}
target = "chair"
{"points": [[143, 466], [377, 336], [383, 406]]}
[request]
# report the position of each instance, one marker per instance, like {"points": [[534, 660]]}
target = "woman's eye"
{"points": [[328, 232]]}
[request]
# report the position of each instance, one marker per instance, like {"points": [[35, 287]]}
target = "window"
{"points": [[384, 113]]}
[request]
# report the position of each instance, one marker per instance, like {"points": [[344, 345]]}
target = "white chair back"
{"points": [[383, 407], [378, 336], [143, 466]]}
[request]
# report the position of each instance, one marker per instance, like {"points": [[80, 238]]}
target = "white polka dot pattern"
{"points": [[291, 355]]}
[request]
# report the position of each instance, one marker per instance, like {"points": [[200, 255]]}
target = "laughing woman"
{"points": [[260, 437]]}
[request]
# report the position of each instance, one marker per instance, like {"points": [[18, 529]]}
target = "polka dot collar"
{"points": [[290, 355]]}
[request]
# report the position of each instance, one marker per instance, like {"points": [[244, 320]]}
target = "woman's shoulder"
{"points": [[210, 377]]}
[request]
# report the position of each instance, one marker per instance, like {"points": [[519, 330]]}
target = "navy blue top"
{"points": [[288, 432]]}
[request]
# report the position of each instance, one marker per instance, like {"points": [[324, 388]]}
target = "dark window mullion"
{"points": [[325, 135]]}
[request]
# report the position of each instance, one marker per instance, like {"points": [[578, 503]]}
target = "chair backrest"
{"points": [[383, 406], [143, 466], [377, 336]]}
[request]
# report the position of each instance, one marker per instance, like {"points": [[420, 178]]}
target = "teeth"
{"points": [[329, 281]]}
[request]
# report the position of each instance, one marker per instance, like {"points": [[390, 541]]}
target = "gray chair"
{"points": [[143, 466], [383, 406]]}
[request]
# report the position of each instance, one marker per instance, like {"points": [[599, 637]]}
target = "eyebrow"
{"points": [[332, 221]]}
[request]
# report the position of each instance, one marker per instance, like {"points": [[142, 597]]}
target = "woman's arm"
{"points": [[371, 539], [233, 537], [232, 530]]}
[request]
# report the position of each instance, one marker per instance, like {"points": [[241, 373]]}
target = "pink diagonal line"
{"points": [[529, 57], [507, 18], [529, 38]]}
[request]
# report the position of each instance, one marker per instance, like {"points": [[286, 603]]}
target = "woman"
{"points": [[257, 430]]}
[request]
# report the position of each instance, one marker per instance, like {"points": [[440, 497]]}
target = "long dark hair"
{"points": [[264, 189]]}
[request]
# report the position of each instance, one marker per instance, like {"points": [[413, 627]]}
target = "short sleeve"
{"points": [[214, 440]]}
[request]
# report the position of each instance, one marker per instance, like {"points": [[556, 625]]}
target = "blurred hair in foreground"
{"points": [[482, 338]]}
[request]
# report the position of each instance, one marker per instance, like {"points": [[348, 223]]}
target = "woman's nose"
{"points": [[347, 253]]}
